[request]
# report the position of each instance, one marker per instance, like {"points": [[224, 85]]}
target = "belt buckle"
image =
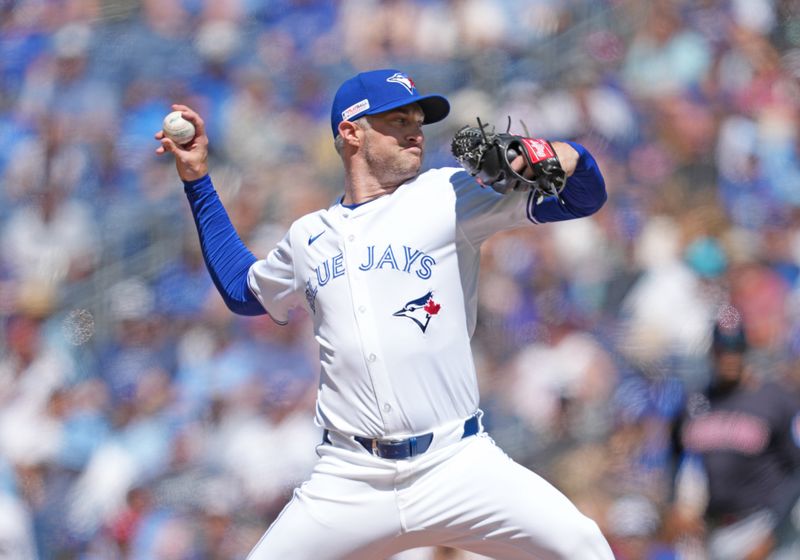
{"points": [[375, 447]]}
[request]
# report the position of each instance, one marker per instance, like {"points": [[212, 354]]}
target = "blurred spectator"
{"points": [[137, 346], [665, 310], [61, 85], [665, 57], [739, 439], [49, 241], [33, 371], [85, 422], [561, 384]]}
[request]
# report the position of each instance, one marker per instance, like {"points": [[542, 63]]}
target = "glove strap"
{"points": [[537, 149]]}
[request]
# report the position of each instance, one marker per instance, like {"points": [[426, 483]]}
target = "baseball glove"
{"points": [[487, 156]]}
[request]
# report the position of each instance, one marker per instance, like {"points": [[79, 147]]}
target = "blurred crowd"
{"points": [[140, 419]]}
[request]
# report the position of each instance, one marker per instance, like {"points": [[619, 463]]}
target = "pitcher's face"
{"points": [[394, 143]]}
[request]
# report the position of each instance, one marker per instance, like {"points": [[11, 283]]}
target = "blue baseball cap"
{"points": [[377, 91]]}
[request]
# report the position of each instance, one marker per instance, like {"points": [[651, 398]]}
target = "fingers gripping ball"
{"points": [[488, 155], [178, 129]]}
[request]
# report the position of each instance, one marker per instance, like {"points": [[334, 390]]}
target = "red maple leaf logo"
{"points": [[432, 308]]}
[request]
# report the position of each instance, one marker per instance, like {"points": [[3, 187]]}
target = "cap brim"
{"points": [[435, 107]]}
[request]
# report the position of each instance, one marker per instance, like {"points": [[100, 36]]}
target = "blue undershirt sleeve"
{"points": [[227, 258], [583, 195]]}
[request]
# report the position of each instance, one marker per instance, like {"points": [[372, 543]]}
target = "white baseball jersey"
{"points": [[391, 285]]}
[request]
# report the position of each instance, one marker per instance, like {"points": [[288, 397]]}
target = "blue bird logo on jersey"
{"points": [[420, 310]]}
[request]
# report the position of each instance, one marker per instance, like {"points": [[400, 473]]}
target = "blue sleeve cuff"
{"points": [[583, 195], [202, 184]]}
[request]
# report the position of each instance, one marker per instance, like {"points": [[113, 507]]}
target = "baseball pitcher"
{"points": [[389, 275]]}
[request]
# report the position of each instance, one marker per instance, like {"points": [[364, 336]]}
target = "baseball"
{"points": [[178, 129]]}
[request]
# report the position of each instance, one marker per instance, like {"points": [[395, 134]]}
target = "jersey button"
{"points": [[362, 309], [372, 357], [351, 237], [387, 407]]}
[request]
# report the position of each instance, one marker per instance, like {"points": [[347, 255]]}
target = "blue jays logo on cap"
{"points": [[377, 91], [403, 80]]}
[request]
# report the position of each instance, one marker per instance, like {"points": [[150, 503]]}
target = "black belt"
{"points": [[406, 448]]}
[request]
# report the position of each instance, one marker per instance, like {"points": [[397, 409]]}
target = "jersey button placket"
{"points": [[365, 323], [364, 326]]}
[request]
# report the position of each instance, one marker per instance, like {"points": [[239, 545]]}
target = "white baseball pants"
{"points": [[467, 495]]}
